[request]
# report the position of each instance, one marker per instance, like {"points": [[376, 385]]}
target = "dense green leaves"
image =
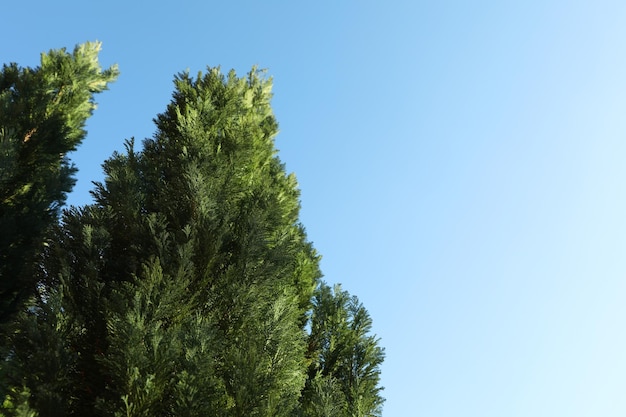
{"points": [[189, 287], [42, 117], [344, 355]]}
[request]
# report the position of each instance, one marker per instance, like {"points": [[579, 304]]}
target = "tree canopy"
{"points": [[188, 287], [43, 112]]}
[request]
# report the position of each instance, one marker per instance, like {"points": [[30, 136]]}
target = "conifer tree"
{"points": [[188, 287], [42, 116], [345, 357], [202, 238]]}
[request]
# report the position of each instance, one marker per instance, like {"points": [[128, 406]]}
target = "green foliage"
{"points": [[159, 358], [188, 287], [324, 398], [42, 117], [41, 359], [342, 349], [209, 185], [17, 404]]}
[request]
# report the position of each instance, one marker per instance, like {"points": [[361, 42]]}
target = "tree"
{"points": [[188, 287], [42, 117], [344, 355], [198, 235]]}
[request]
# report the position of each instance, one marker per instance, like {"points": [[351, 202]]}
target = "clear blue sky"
{"points": [[462, 167]]}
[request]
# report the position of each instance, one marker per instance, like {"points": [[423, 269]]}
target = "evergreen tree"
{"points": [[38, 373], [42, 116], [344, 355], [202, 238], [188, 287]]}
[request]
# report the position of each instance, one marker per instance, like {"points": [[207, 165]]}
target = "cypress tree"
{"points": [[43, 111], [345, 357], [42, 116], [188, 287], [202, 238]]}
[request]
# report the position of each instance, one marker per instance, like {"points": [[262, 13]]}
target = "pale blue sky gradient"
{"points": [[462, 167]]}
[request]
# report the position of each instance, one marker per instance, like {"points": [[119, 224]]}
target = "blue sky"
{"points": [[461, 166]]}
